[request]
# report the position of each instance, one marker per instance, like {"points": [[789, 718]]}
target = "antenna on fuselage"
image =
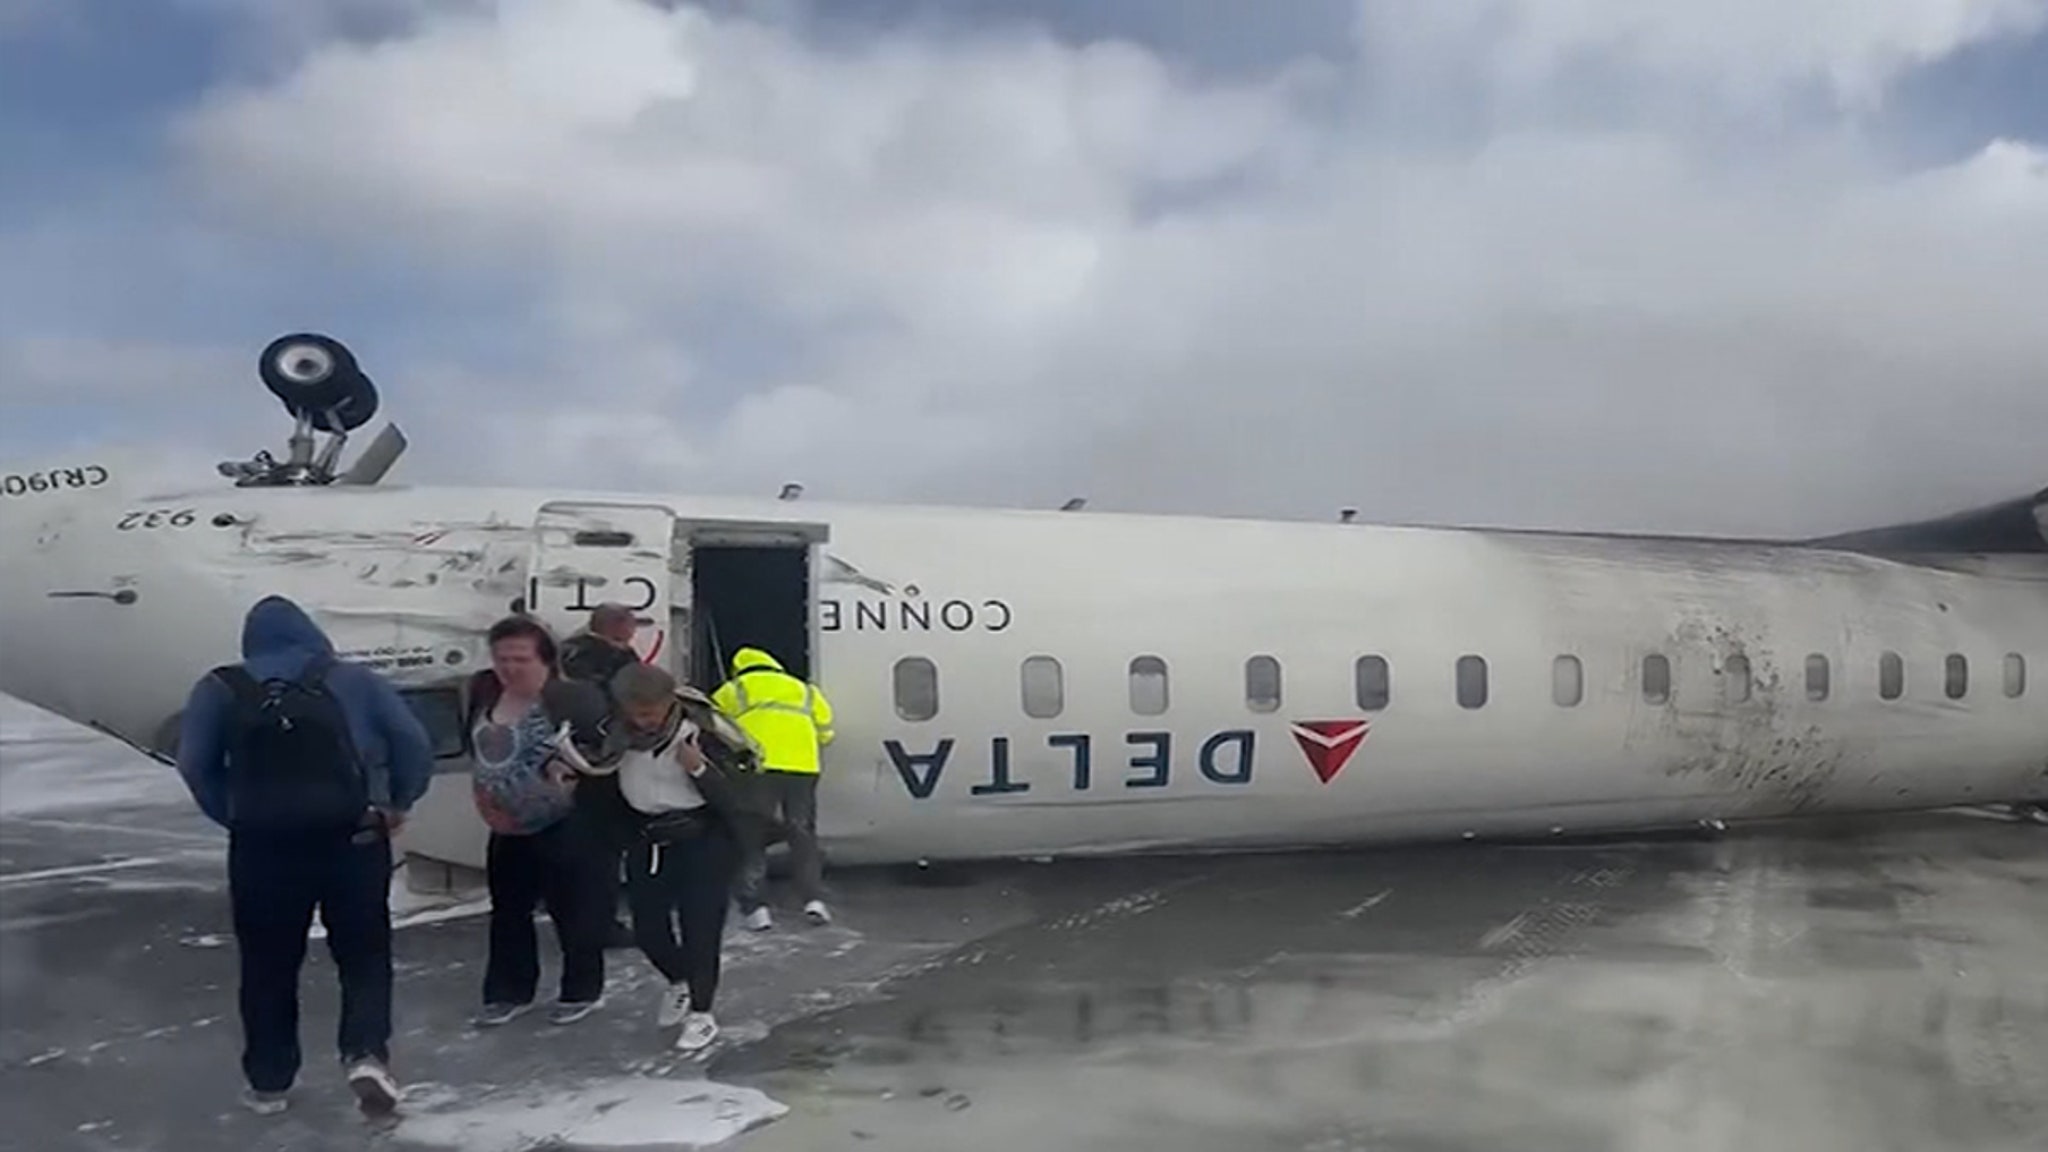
{"points": [[790, 491], [318, 381]]}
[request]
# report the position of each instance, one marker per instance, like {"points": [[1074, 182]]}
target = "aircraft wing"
{"points": [[2010, 526]]}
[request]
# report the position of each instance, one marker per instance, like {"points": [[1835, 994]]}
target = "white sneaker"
{"points": [[494, 1015], [760, 920], [570, 1011], [265, 1103], [675, 1004], [376, 1092], [699, 1030], [818, 913]]}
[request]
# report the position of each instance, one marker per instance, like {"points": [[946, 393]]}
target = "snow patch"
{"points": [[408, 909], [626, 1113], [53, 766], [71, 871], [433, 914], [1366, 905], [24, 723]]}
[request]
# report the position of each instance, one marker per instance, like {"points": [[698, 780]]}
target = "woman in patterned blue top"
{"points": [[538, 853]]}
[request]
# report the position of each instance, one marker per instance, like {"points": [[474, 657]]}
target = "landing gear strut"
{"points": [[317, 380]]}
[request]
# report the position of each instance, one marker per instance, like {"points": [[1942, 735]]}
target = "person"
{"points": [[790, 720], [601, 647], [592, 655], [310, 763], [684, 772], [536, 854]]}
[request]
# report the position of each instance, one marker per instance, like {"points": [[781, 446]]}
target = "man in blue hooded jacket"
{"points": [[310, 763]]}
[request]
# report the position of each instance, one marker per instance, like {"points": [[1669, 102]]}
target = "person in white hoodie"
{"points": [[682, 769]]}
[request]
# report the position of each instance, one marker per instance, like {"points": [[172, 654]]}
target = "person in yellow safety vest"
{"points": [[790, 720]]}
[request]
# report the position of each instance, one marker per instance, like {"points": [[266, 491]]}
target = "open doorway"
{"points": [[749, 596]]}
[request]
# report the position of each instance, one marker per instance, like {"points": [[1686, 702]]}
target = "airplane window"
{"points": [[1567, 681], [1891, 676], [440, 712], [917, 688], [1656, 678], [1148, 686], [1471, 681], [1737, 686], [2015, 675], [1262, 684], [1816, 677], [1958, 678], [1044, 691], [1371, 683]]}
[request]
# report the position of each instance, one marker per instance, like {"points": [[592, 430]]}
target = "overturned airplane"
{"points": [[1022, 683]]}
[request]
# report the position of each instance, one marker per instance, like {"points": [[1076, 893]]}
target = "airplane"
{"points": [[1027, 683]]}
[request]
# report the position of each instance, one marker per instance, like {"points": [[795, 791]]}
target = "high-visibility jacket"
{"points": [[788, 718]]}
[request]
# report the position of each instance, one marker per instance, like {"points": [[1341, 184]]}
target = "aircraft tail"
{"points": [[2010, 526]]}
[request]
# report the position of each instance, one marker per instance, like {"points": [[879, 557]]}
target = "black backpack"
{"points": [[292, 765]]}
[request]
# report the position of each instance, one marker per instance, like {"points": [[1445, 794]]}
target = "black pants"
{"points": [[274, 884], [600, 805], [561, 867], [795, 796], [679, 890]]}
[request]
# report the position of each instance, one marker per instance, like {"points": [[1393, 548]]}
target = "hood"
{"points": [[747, 658], [279, 634]]}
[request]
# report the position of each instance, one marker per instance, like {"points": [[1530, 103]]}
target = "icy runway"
{"points": [[1867, 985]]}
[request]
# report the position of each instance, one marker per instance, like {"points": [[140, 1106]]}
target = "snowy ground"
{"points": [[1869, 985], [117, 992]]}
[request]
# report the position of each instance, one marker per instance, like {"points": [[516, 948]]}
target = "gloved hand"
{"points": [[582, 719]]}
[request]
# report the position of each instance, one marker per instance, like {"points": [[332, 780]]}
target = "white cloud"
{"points": [[1001, 267], [1744, 50], [49, 368]]}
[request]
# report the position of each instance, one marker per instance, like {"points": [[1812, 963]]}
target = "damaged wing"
{"points": [[2010, 526]]}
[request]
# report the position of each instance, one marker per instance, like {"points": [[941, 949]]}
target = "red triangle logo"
{"points": [[1328, 744]]}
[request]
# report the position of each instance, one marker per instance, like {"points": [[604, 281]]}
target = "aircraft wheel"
{"points": [[318, 376]]}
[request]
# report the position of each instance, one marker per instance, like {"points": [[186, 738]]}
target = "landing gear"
{"points": [[318, 381]]}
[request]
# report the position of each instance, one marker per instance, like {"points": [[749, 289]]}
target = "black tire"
{"points": [[307, 371], [317, 376]]}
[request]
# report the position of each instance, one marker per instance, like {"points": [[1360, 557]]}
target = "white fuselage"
{"points": [[1137, 725]]}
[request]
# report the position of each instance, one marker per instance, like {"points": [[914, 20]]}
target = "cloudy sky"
{"points": [[1735, 265]]}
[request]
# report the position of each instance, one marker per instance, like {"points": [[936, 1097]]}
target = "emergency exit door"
{"points": [[585, 554]]}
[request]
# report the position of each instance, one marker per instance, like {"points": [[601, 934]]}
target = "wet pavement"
{"points": [[1860, 984], [1871, 987]]}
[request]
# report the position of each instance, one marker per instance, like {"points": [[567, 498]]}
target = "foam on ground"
{"points": [[627, 1113], [56, 767]]}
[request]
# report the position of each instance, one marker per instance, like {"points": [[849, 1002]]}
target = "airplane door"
{"points": [[587, 553]]}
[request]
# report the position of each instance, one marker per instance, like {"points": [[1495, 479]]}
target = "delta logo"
{"points": [[1328, 744]]}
